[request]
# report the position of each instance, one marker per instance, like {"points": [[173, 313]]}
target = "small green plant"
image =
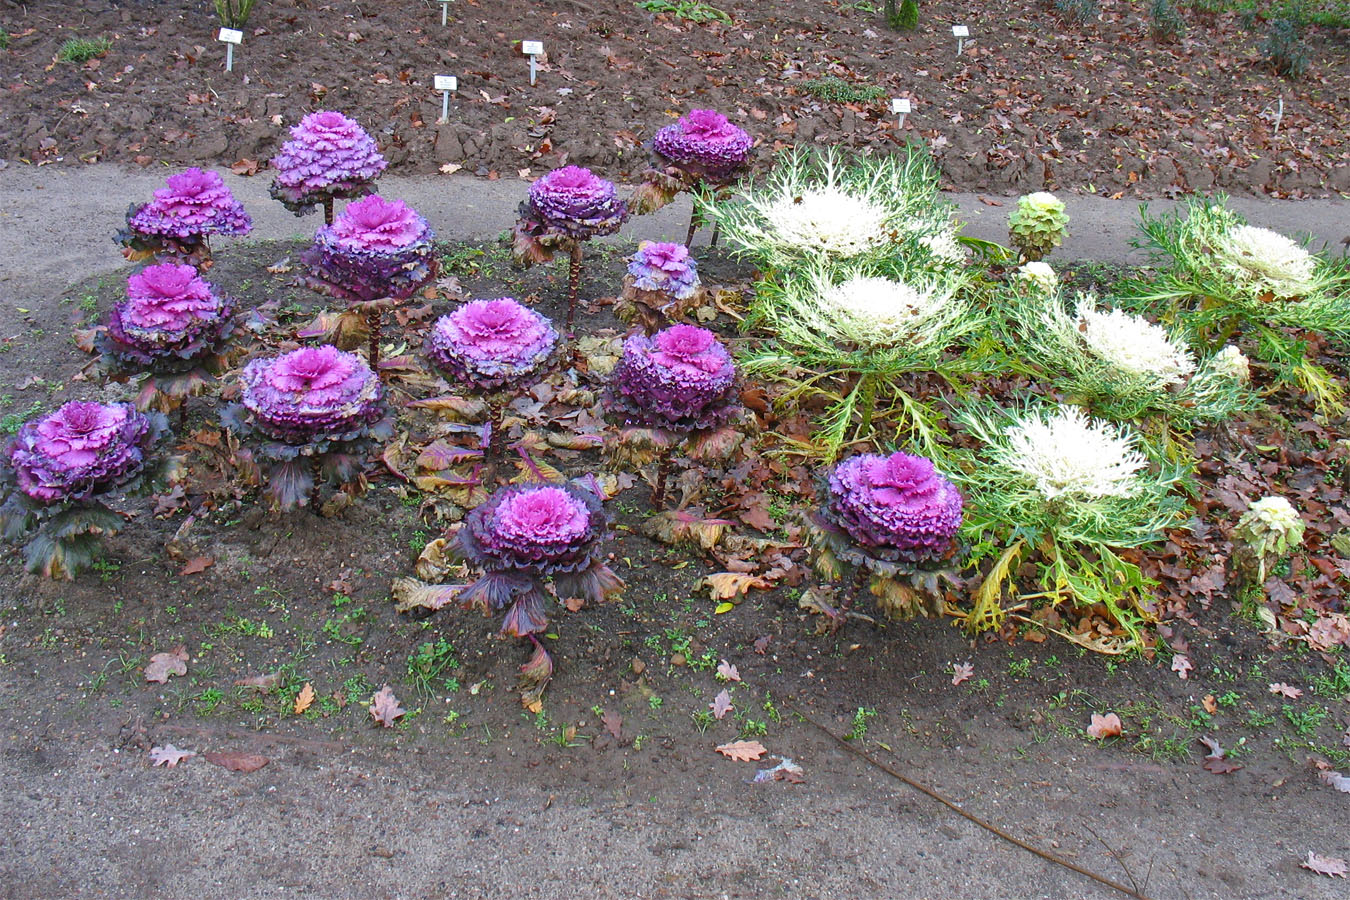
{"points": [[432, 661], [906, 18], [1079, 12], [208, 700], [1165, 22], [860, 720], [1038, 225], [690, 10], [4, 39], [233, 13], [1019, 668], [837, 90], [1335, 683], [654, 702], [1307, 721], [81, 50], [703, 719], [1284, 48]]}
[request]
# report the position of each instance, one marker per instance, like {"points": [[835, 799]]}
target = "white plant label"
{"points": [[960, 32], [532, 48], [901, 106], [446, 82], [231, 36]]}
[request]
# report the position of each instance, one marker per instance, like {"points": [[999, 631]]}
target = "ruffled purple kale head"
{"points": [[491, 344], [312, 394], [79, 450], [375, 248], [194, 204], [169, 313], [704, 143], [894, 507], [681, 379], [534, 529], [575, 202], [328, 155], [664, 267]]}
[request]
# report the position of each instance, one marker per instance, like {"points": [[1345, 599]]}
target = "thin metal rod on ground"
{"points": [[951, 804]]}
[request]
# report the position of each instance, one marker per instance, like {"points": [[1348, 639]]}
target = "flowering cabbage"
{"points": [[79, 450], [194, 204], [1267, 261], [170, 317], [681, 379], [55, 469], [1038, 224], [328, 156], [1134, 346], [893, 507], [571, 203], [1232, 363], [526, 533], [829, 221], [491, 345], [1064, 453], [375, 248], [705, 144], [312, 396], [1037, 275], [664, 267]]}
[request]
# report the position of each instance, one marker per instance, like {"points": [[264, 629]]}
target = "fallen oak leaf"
{"points": [[613, 723], [196, 565], [1335, 779], [1181, 664], [721, 704], [237, 762], [762, 644], [168, 755], [1221, 766], [727, 672], [1215, 751], [1280, 689], [731, 585], [162, 665], [384, 707], [786, 770], [1106, 726], [304, 698], [742, 751], [1331, 866], [962, 672]]}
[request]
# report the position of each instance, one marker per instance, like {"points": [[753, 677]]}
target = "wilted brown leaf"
{"points": [[162, 665], [197, 564], [1106, 726], [1281, 689], [727, 672], [1331, 866], [742, 751], [1181, 664], [304, 698], [384, 707], [721, 704], [731, 585], [245, 167], [237, 762], [962, 672], [168, 755], [264, 683], [613, 723]]}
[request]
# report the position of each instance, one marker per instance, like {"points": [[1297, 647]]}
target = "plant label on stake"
{"points": [[445, 9], [960, 32], [445, 84], [230, 37], [901, 107], [532, 49]]}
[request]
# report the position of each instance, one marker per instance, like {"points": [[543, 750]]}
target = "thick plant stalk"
{"points": [[374, 321], [328, 210], [573, 284], [492, 443], [662, 475], [693, 227]]}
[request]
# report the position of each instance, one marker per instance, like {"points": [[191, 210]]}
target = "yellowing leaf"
{"points": [[742, 751], [304, 698], [724, 607], [732, 585]]}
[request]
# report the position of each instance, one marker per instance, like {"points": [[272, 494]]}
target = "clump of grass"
{"points": [[690, 10], [836, 89], [81, 50], [1165, 21], [4, 39], [1284, 49], [1079, 12]]}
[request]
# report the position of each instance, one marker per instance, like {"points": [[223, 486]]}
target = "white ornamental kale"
{"points": [[1038, 275], [826, 220], [1267, 261], [1134, 346], [1064, 453], [878, 311]]}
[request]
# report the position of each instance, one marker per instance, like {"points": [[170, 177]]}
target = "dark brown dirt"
{"points": [[1033, 102]]}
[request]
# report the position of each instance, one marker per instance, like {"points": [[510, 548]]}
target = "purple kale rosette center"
{"points": [[313, 396], [893, 508], [681, 379], [170, 315], [328, 156], [491, 345], [192, 205], [375, 248], [664, 267], [79, 450], [704, 143], [572, 203]]}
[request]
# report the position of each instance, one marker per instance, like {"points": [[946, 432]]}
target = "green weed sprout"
{"points": [[1221, 280], [1038, 225], [1075, 490]]}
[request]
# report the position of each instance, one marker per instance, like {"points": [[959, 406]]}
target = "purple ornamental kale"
{"points": [[526, 533], [376, 248], [893, 508], [681, 379], [170, 316], [80, 450], [491, 345], [704, 144], [193, 205], [312, 396], [664, 267], [575, 203], [328, 156]]}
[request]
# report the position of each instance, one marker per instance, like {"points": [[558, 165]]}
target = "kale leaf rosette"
{"points": [[57, 469], [491, 345], [681, 379], [317, 403], [375, 248], [190, 207], [701, 148], [526, 534], [567, 205], [328, 156], [662, 286]]}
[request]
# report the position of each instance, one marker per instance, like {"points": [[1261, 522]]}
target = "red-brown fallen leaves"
{"points": [[1332, 867], [1216, 760], [168, 755], [1281, 689], [1181, 664], [237, 762], [1106, 726], [264, 683], [196, 565], [721, 704], [962, 672], [384, 707], [742, 751], [162, 665], [727, 672], [731, 585], [613, 723]]}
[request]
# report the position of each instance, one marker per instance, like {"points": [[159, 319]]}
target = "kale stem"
{"points": [[662, 474], [374, 320], [573, 284]]}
